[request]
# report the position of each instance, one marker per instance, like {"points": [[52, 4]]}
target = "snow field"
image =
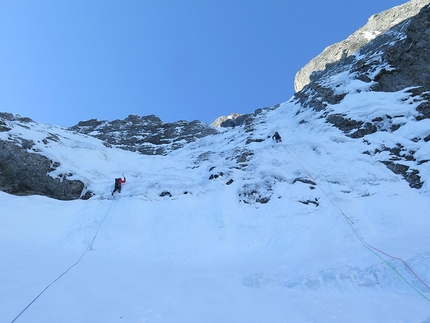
{"points": [[201, 254]]}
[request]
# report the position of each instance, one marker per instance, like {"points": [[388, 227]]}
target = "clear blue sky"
{"points": [[66, 61]]}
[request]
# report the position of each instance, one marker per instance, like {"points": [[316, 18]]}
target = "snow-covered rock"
{"points": [[377, 25], [146, 135]]}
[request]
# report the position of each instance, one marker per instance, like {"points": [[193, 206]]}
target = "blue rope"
{"points": [[65, 272]]}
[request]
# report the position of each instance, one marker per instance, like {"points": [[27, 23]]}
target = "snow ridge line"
{"points": [[367, 245], [65, 272]]}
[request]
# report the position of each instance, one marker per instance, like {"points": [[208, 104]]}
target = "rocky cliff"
{"points": [[377, 25], [147, 135], [23, 171], [397, 60]]}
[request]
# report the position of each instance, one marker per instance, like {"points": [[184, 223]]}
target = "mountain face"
{"points": [[147, 135], [377, 26], [374, 90], [395, 61]]}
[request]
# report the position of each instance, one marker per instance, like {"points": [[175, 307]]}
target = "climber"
{"points": [[277, 137], [118, 182]]}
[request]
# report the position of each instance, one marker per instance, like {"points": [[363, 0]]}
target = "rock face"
{"points": [[376, 26], [232, 120], [147, 135], [236, 119], [23, 172], [397, 60]]}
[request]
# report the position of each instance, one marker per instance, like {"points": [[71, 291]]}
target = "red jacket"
{"points": [[120, 181]]}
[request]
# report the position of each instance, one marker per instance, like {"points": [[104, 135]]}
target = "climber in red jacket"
{"points": [[118, 182]]}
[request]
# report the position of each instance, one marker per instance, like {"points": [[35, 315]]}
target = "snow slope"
{"points": [[312, 253]]}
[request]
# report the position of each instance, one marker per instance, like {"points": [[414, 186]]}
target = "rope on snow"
{"points": [[68, 269], [367, 245]]}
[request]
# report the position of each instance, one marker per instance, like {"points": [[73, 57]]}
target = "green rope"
{"points": [[364, 243]]}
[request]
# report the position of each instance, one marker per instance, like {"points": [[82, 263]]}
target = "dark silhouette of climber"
{"points": [[118, 182], [277, 137]]}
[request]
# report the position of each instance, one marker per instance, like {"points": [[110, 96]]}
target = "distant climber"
{"points": [[277, 137], [118, 182]]}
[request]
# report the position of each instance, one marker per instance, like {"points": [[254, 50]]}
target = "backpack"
{"points": [[117, 182]]}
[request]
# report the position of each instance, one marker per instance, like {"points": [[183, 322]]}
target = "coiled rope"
{"points": [[365, 244], [90, 245]]}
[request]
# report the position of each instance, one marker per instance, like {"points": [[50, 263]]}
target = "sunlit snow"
{"points": [[202, 254]]}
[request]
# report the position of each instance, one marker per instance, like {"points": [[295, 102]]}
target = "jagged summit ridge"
{"points": [[147, 135]]}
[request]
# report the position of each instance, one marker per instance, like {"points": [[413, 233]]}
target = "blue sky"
{"points": [[66, 61]]}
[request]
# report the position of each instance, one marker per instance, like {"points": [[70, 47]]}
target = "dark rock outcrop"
{"points": [[12, 117], [237, 119], [377, 25], [396, 60], [400, 56], [233, 120], [26, 173], [147, 135]]}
